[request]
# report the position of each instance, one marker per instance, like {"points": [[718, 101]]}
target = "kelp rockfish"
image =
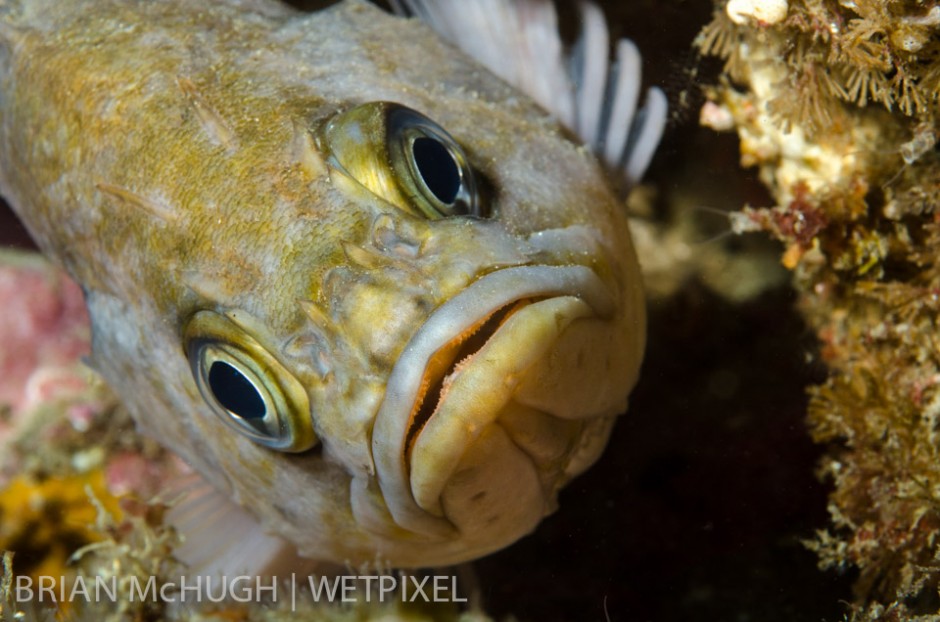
{"points": [[372, 293]]}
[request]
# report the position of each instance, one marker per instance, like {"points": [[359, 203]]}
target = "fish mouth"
{"points": [[450, 385], [445, 362]]}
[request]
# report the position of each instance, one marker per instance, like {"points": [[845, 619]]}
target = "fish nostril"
{"points": [[389, 236]]}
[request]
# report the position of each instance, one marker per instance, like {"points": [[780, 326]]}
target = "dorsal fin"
{"points": [[592, 95]]}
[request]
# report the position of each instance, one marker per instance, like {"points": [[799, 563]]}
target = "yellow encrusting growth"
{"points": [[46, 520]]}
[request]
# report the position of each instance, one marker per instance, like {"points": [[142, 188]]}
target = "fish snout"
{"points": [[493, 406]]}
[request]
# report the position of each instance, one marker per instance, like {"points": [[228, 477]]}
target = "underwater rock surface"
{"points": [[836, 104]]}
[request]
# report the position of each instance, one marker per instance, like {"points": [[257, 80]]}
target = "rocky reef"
{"points": [[836, 104]]}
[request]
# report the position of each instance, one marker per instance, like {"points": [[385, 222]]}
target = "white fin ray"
{"points": [[220, 539], [588, 67], [518, 40], [648, 128], [622, 100]]}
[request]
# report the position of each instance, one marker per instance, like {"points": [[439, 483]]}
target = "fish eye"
{"points": [[404, 157], [431, 164], [245, 386], [436, 168], [237, 391]]}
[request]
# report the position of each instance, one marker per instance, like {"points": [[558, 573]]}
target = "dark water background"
{"points": [[698, 508]]}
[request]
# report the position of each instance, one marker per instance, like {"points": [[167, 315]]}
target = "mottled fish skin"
{"points": [[168, 154]]}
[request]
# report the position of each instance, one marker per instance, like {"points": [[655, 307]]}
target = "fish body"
{"points": [[381, 357]]}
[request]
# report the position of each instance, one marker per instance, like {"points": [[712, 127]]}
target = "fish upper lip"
{"points": [[477, 302]]}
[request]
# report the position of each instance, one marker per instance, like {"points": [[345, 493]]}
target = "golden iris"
{"points": [[403, 157]]}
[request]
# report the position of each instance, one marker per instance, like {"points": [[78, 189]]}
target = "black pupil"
{"points": [[437, 168], [235, 392]]}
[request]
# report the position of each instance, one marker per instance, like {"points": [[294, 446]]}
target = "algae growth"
{"points": [[836, 104]]}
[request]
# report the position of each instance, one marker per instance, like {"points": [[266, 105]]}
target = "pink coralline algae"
{"points": [[44, 330]]}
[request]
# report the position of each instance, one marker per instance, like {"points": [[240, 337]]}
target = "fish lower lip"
{"points": [[445, 362], [478, 393], [487, 305]]}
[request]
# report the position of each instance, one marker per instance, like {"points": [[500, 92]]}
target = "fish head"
{"points": [[464, 345], [464, 350], [466, 320]]}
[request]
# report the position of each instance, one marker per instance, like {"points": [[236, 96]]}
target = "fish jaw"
{"points": [[475, 435]]}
